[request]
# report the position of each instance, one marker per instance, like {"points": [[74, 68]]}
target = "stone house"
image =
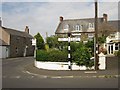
{"points": [[16, 43], [84, 28]]}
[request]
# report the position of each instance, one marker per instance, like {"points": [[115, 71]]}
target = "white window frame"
{"points": [[91, 25], [90, 35], [66, 27], [77, 27]]}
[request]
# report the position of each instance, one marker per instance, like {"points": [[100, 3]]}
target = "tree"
{"points": [[102, 39], [40, 41], [53, 42]]}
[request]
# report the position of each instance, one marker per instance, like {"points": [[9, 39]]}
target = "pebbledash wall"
{"points": [[64, 65]]}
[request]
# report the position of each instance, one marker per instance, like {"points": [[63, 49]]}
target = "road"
{"points": [[14, 76]]}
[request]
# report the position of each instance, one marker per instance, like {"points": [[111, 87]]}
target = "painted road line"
{"points": [[15, 77], [57, 77], [33, 74], [90, 72]]}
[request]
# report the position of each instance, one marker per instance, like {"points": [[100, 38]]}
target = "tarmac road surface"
{"points": [[15, 75]]}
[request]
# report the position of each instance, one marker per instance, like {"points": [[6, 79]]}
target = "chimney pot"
{"points": [[105, 17], [27, 29], [61, 18]]}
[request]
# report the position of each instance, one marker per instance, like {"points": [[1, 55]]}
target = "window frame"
{"points": [[77, 27], [66, 27], [91, 26]]}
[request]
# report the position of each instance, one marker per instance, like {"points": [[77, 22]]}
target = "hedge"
{"points": [[42, 55], [81, 56], [52, 56]]}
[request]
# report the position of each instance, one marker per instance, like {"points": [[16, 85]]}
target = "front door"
{"points": [[7, 52], [110, 49]]}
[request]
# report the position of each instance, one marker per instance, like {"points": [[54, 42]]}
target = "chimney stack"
{"points": [[61, 18], [27, 29], [105, 17]]}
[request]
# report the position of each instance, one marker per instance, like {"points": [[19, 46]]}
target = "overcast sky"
{"points": [[44, 16]]}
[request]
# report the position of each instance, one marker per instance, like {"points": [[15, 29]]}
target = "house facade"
{"points": [[16, 43], [84, 29]]}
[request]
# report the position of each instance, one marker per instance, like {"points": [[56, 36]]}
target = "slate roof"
{"points": [[115, 24], [73, 22], [111, 26], [17, 33]]}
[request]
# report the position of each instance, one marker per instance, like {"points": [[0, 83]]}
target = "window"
{"points": [[91, 25], [66, 27], [77, 27], [116, 46], [16, 50], [90, 35]]}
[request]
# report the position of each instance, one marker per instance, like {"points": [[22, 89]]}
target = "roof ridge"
{"points": [[17, 32], [13, 29], [81, 19]]}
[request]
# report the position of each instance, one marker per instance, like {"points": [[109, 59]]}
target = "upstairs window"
{"points": [[66, 27], [78, 27], [91, 26]]}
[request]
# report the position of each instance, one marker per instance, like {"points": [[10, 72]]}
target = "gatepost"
{"points": [[102, 61]]}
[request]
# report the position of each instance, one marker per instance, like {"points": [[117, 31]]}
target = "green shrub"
{"points": [[39, 41], [47, 47], [117, 53], [57, 56], [42, 55], [52, 55], [82, 57]]}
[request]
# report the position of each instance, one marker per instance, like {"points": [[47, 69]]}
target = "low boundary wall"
{"points": [[58, 66]]}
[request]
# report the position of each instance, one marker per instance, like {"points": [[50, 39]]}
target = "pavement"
{"points": [[31, 69]]}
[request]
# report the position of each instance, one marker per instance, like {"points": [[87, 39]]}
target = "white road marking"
{"points": [[15, 77], [57, 77], [90, 72], [40, 76]]}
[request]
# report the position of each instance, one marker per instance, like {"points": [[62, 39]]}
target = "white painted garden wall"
{"points": [[58, 66]]}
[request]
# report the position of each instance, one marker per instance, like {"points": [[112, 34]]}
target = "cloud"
{"points": [[44, 16], [111, 8], [59, 0]]}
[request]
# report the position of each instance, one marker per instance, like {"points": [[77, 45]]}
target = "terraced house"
{"points": [[15, 43], [78, 26]]}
